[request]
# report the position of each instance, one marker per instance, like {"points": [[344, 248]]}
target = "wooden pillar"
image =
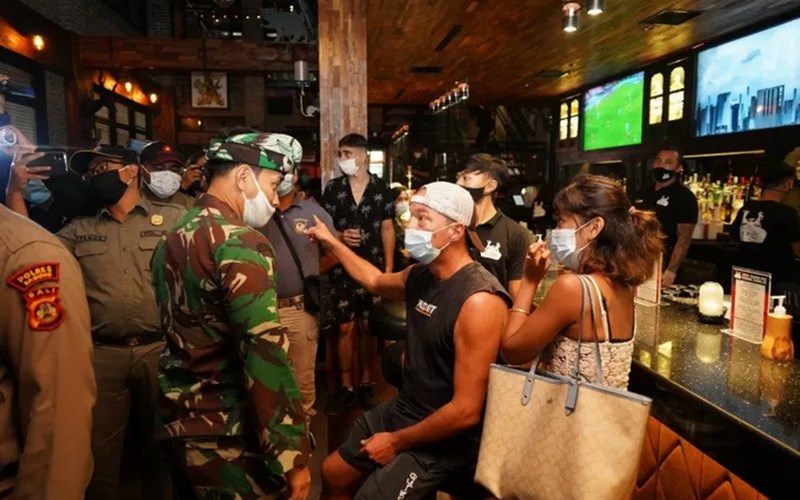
{"points": [[342, 76]]}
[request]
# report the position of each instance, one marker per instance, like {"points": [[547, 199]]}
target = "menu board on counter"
{"points": [[750, 293], [649, 292]]}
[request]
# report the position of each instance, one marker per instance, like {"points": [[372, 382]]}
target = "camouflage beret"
{"points": [[279, 152]]}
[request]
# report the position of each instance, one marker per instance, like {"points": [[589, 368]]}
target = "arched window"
{"points": [[677, 93], [656, 108], [563, 132], [574, 118]]}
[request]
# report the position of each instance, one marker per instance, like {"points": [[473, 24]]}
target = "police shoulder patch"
{"points": [[33, 275], [44, 308]]}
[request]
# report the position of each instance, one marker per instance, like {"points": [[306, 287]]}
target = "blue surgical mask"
{"points": [[563, 246], [419, 244], [286, 185], [36, 193]]}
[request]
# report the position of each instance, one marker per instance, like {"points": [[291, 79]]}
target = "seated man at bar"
{"points": [[429, 434], [769, 231], [675, 206]]}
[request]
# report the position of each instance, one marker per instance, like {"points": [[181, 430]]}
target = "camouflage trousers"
{"points": [[225, 468]]}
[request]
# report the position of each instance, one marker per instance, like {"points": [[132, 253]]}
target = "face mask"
{"points": [[258, 211], [662, 174], [401, 208], [107, 188], [286, 185], [164, 184], [563, 247], [477, 193], [419, 245], [36, 193], [348, 167]]}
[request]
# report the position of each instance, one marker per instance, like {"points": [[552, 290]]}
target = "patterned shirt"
{"points": [[224, 370], [376, 206]]}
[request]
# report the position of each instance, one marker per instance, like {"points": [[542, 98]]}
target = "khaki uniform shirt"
{"points": [[47, 386], [115, 260]]}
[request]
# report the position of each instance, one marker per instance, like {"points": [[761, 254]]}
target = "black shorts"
{"points": [[413, 474], [349, 300]]}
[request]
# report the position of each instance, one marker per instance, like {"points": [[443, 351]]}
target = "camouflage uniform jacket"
{"points": [[224, 370]]}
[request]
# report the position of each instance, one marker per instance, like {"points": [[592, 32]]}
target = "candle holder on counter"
{"points": [[710, 307]]}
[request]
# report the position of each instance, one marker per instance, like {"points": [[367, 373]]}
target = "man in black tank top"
{"points": [[429, 434]]}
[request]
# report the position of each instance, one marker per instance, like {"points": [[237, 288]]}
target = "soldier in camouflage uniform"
{"points": [[231, 410]]}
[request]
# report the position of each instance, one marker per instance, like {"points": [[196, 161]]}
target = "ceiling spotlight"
{"points": [[128, 87], [596, 7], [569, 18], [153, 98]]}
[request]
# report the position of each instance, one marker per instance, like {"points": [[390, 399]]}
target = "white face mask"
{"points": [[349, 166], [257, 211], [419, 244], [164, 184], [563, 246], [401, 208], [286, 185]]}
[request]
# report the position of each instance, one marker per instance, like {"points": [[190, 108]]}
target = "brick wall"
{"points": [[86, 17], [56, 109], [254, 103], [159, 18]]}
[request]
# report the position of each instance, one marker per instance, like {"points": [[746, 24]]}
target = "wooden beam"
{"points": [[343, 76], [175, 54]]}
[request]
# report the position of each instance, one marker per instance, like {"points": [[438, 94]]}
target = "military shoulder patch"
{"points": [[33, 275], [44, 308]]}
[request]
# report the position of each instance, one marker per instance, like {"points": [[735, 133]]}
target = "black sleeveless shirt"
{"points": [[432, 308]]}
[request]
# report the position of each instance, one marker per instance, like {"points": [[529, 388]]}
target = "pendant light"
{"points": [[596, 7], [569, 19]]}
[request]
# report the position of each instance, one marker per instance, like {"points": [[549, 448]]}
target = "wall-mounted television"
{"points": [[613, 114], [751, 83]]}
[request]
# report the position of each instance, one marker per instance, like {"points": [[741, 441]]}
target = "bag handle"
{"points": [[572, 393], [603, 310], [598, 366], [291, 247]]}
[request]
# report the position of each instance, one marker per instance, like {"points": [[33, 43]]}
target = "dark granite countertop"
{"points": [[722, 370]]}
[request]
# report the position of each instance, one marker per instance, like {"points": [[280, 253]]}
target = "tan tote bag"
{"points": [[553, 437]]}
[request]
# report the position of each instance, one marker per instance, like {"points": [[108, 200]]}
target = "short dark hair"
{"points": [[777, 175], [192, 158], [483, 163], [353, 141], [676, 151]]}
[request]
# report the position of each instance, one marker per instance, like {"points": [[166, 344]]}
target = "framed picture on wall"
{"points": [[209, 89]]}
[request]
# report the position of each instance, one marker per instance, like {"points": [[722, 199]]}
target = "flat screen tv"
{"points": [[751, 83], [613, 114]]}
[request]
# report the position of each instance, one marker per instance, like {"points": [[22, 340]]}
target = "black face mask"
{"points": [[107, 188], [476, 193], [662, 174]]}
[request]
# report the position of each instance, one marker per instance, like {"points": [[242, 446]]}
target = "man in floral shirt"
{"points": [[362, 211]]}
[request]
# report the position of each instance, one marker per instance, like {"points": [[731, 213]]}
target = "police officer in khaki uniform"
{"points": [[114, 249], [47, 386]]}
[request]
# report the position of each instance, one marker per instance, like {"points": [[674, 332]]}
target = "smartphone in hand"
{"points": [[56, 160]]}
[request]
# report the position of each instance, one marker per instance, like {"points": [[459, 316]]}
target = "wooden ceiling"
{"points": [[503, 44]]}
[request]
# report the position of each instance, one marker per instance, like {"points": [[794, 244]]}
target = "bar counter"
{"points": [[716, 392]]}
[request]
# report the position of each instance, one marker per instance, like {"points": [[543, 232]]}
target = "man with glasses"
{"points": [[163, 173], [232, 413], [114, 249]]}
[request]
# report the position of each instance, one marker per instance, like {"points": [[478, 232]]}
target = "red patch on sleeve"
{"points": [[33, 275], [44, 308]]}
